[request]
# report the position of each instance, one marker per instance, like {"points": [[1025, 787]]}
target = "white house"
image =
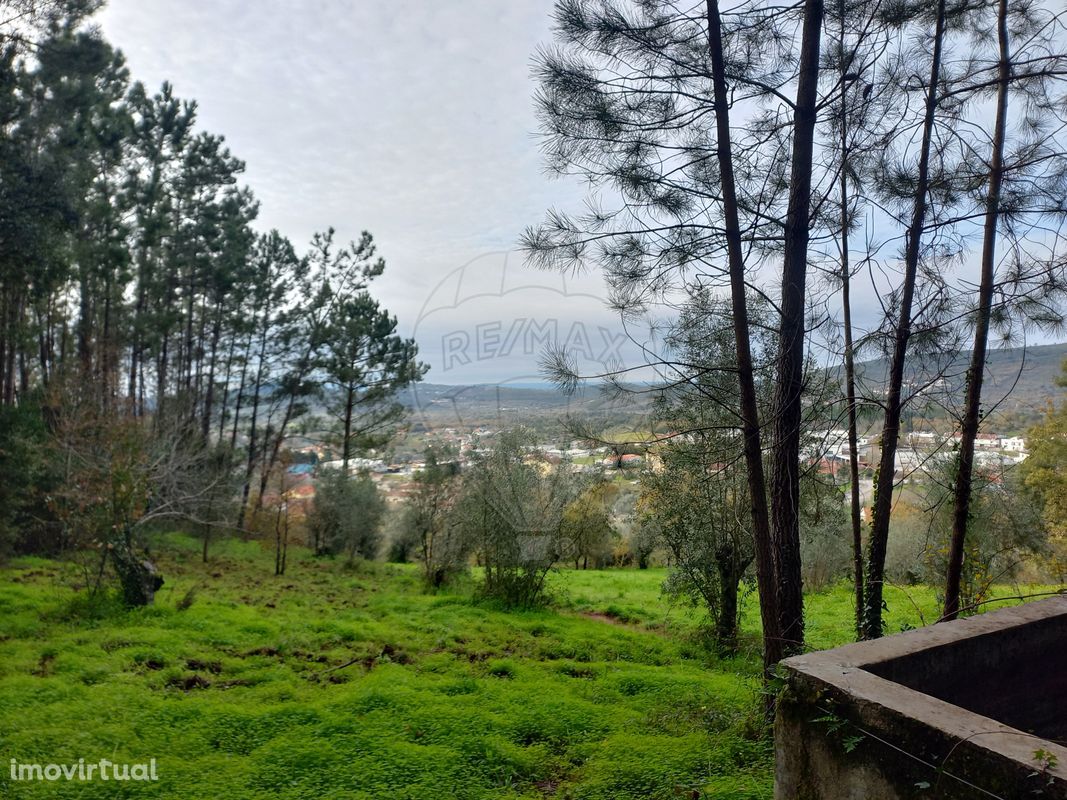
{"points": [[1013, 444], [908, 459]]}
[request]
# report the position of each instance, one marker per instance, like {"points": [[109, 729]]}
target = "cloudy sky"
{"points": [[409, 119], [413, 120]]}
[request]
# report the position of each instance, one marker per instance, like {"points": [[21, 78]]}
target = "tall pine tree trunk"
{"points": [[972, 409], [224, 400], [43, 348], [749, 410], [5, 337], [8, 377], [209, 388], [252, 429], [135, 384], [161, 376], [850, 366], [106, 348], [240, 394], [346, 449], [85, 325], [785, 457], [885, 479], [855, 516]]}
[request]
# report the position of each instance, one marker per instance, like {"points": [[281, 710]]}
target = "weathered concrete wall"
{"points": [[810, 763], [1015, 674], [907, 716]]}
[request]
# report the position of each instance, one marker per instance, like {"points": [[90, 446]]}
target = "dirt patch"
{"points": [[306, 656], [44, 666], [214, 667], [189, 682], [600, 616], [232, 684], [547, 787], [262, 651]]}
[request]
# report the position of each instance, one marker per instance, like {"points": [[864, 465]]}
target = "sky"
{"points": [[412, 120]]}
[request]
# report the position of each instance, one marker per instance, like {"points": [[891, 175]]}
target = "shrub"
{"points": [[347, 516], [401, 539], [442, 545], [512, 505]]}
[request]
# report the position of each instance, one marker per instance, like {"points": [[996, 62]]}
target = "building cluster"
{"points": [[918, 451], [395, 477]]}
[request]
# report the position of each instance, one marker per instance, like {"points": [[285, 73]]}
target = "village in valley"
{"points": [[921, 453], [394, 473]]}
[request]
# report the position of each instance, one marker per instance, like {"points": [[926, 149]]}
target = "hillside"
{"points": [[1019, 382], [435, 405]]}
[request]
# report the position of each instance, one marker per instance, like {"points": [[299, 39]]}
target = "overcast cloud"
{"points": [[412, 120]]}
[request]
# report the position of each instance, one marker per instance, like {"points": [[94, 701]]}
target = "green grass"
{"points": [[352, 683]]}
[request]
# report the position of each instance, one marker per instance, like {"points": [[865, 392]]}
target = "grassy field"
{"points": [[342, 683]]}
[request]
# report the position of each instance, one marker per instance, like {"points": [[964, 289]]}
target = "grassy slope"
{"points": [[240, 696]]}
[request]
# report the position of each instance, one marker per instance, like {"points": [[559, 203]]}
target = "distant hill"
{"points": [[1019, 381], [1040, 367], [1025, 376], [463, 406], [1028, 369]]}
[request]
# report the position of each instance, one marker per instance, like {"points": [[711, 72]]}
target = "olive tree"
{"points": [[346, 516], [513, 504]]}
